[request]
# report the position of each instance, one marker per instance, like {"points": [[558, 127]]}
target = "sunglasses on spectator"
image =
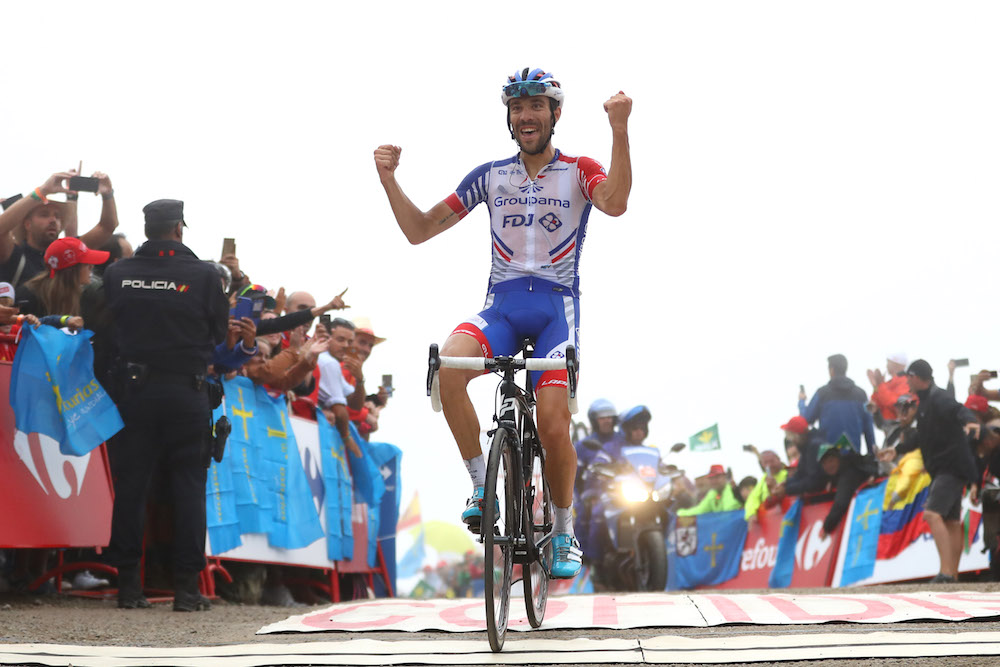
{"points": [[526, 88]]}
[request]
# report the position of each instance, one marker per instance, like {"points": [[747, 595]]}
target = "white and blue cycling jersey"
{"points": [[537, 228]]}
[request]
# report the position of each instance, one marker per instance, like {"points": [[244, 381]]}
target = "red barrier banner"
{"points": [[815, 557], [48, 499]]}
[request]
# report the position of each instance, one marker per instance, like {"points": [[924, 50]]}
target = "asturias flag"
{"points": [[710, 556], [863, 535], [53, 391], [338, 499], [784, 564]]}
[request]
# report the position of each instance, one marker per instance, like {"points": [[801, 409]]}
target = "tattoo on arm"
{"points": [[446, 218]]}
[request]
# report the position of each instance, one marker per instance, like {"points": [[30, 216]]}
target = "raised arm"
{"points": [[13, 216], [418, 226], [611, 196], [106, 226]]}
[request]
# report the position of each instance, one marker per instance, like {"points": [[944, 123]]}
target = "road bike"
{"points": [[517, 521]]}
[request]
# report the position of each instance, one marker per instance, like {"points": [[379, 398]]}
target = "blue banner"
{"points": [[388, 458], [338, 497], [294, 522], [784, 565], [250, 478], [705, 553], [863, 536], [53, 391]]}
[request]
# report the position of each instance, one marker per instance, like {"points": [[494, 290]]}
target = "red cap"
{"points": [[977, 403], [68, 251], [796, 424], [716, 470]]}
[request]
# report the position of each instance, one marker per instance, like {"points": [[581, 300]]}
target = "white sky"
{"points": [[809, 178]]}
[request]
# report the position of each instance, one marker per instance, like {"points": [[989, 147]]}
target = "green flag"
{"points": [[707, 440]]}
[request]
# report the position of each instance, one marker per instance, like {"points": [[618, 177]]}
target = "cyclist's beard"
{"points": [[541, 145]]}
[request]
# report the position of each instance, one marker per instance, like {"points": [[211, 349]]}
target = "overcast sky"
{"points": [[809, 178]]}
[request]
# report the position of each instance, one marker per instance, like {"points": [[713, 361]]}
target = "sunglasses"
{"points": [[526, 88]]}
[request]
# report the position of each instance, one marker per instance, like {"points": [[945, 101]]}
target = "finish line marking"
{"points": [[656, 650], [647, 610]]}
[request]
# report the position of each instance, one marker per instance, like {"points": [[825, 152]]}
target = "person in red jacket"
{"points": [[888, 389]]}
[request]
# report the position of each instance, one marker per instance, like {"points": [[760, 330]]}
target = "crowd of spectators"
{"points": [[831, 451], [51, 275]]}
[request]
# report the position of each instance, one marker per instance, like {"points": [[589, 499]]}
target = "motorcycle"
{"points": [[629, 502]]}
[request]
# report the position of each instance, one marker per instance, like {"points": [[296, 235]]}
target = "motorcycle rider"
{"points": [[603, 419], [633, 430]]}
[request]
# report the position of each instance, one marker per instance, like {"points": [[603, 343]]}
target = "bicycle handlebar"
{"points": [[436, 362]]}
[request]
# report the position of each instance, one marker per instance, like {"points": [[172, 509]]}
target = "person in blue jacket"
{"points": [[840, 407]]}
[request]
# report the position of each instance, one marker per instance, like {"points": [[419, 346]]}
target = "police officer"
{"points": [[169, 313]]}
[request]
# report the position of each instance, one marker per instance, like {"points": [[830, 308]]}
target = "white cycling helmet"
{"points": [[529, 83]]}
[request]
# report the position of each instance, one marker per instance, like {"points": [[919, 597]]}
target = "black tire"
{"points": [[499, 533], [651, 562], [538, 524]]}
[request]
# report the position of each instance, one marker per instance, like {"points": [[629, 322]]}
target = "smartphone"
{"points": [[7, 203], [228, 247], [243, 308], [387, 384], [83, 184], [325, 320], [802, 388], [747, 448], [960, 362], [993, 374]]}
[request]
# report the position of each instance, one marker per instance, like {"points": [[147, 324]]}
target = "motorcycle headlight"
{"points": [[634, 491]]}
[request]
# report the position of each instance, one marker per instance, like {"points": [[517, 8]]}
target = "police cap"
{"points": [[164, 211]]}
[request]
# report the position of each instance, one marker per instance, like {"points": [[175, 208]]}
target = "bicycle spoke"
{"points": [[537, 521]]}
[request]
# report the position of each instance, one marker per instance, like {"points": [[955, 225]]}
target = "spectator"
{"points": [[286, 369], [746, 487], [839, 406], [40, 222], [775, 474], [720, 496], [801, 445], [353, 366], [943, 427], [117, 248], [333, 387], [976, 387], [844, 471], [58, 291], [885, 391]]}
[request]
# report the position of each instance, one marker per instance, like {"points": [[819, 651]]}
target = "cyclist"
{"points": [[539, 201]]}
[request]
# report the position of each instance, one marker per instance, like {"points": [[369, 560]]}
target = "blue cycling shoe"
{"points": [[568, 557], [473, 514]]}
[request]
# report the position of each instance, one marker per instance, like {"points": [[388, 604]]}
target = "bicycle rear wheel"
{"points": [[499, 531], [538, 529]]}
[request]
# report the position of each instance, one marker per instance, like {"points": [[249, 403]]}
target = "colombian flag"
{"points": [[903, 520]]}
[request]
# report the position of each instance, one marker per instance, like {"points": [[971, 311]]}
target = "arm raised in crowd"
{"points": [[19, 210], [108, 223], [300, 317]]}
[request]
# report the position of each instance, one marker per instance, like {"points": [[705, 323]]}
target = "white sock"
{"points": [[477, 470], [563, 520]]}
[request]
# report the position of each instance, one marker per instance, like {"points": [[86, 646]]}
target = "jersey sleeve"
{"points": [[589, 173], [471, 191]]}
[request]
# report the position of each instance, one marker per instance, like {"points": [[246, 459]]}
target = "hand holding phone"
{"points": [[959, 363], [228, 247], [387, 384], [83, 184]]}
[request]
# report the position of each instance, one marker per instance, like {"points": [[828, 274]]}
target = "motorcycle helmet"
{"points": [[637, 416], [602, 407]]}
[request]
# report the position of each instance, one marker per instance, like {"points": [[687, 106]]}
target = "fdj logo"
{"points": [[550, 222], [517, 220]]}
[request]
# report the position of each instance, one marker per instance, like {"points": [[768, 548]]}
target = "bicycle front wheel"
{"points": [[499, 530], [538, 530]]}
